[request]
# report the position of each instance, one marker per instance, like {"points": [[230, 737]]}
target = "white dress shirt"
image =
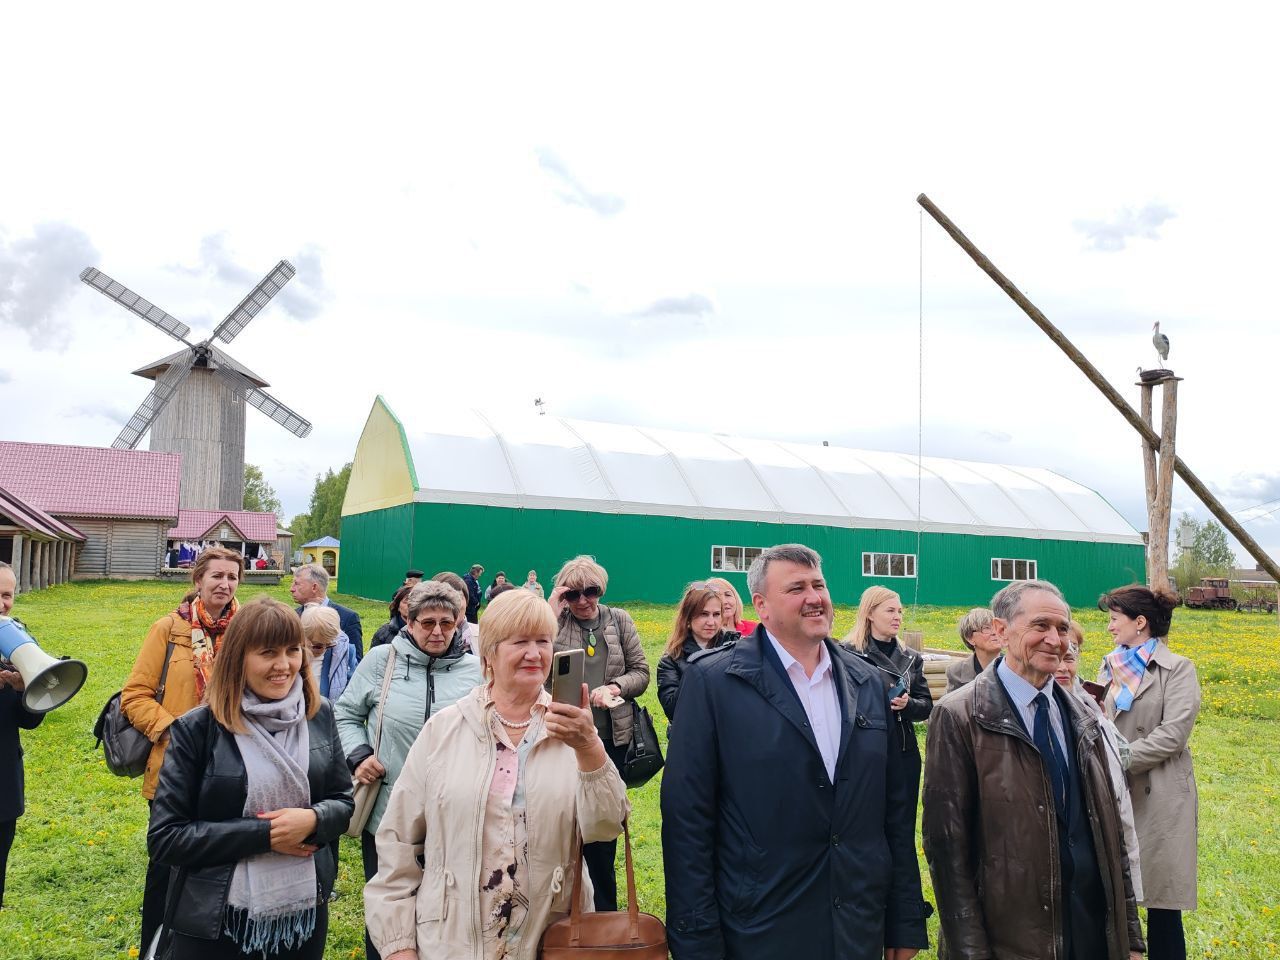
{"points": [[1023, 695], [820, 701]]}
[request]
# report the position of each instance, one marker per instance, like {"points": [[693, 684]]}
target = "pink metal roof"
{"points": [[34, 520], [195, 524], [92, 481]]}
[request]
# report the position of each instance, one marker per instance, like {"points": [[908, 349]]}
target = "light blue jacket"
{"points": [[421, 686]]}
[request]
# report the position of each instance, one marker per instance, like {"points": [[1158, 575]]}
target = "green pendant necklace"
{"points": [[591, 643]]}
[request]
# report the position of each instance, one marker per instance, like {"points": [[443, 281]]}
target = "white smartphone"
{"points": [[568, 670]]}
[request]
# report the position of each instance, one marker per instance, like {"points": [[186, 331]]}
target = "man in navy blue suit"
{"points": [[311, 585], [788, 823]]}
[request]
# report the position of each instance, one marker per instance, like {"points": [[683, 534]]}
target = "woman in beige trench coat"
{"points": [[1154, 706]]}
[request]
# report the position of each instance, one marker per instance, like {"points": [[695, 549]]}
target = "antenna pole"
{"points": [[1098, 380]]}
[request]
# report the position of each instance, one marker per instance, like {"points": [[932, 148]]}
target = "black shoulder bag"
{"points": [[125, 747]]}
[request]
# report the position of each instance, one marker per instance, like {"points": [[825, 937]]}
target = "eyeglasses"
{"points": [[318, 649], [591, 593], [445, 626]]}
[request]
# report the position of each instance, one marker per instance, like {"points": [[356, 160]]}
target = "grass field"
{"points": [[75, 874]]}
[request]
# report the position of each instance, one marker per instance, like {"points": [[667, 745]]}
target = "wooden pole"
{"points": [[1158, 571], [1149, 477], [1098, 380]]}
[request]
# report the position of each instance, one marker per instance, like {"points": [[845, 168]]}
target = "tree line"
{"points": [[324, 513]]}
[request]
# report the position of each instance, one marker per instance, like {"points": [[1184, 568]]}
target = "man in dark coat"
{"points": [[1021, 828], [787, 821], [472, 580], [311, 585], [13, 716]]}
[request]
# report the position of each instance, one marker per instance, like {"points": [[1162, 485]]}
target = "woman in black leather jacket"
{"points": [[253, 789], [698, 626], [875, 638]]}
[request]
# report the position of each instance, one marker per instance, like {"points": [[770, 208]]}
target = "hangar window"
{"points": [[733, 558], [1013, 569], [888, 564]]}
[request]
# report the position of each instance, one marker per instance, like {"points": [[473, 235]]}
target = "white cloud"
{"points": [[1127, 224], [38, 274]]}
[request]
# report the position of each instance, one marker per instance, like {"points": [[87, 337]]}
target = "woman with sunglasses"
{"points": [[699, 626], [429, 671], [616, 674]]}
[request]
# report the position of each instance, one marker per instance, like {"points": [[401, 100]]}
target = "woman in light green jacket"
{"points": [[429, 671]]}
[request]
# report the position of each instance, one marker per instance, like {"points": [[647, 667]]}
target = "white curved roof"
{"points": [[545, 462]]}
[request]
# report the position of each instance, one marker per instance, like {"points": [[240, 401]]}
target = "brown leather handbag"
{"points": [[605, 936]]}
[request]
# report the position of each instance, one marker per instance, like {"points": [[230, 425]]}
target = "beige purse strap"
{"points": [[382, 699], [575, 906], [575, 909], [633, 904]]}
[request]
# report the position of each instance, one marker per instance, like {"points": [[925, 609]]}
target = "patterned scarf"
{"points": [[1125, 668], [271, 905], [206, 638]]}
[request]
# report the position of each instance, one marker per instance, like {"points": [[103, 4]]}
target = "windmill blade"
{"points": [[268, 404], [258, 297], [143, 307], [166, 385]]}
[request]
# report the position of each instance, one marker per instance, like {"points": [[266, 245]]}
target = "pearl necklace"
{"points": [[507, 723]]}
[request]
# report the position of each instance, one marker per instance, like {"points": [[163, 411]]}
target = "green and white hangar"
{"points": [[661, 508]]}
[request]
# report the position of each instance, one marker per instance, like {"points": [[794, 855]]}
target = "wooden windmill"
{"points": [[196, 407]]}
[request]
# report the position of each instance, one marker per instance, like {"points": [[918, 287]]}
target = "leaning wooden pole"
{"points": [[1098, 380]]}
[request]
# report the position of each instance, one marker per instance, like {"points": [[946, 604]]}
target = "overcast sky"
{"points": [[689, 216]]}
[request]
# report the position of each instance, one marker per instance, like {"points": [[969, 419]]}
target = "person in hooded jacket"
{"points": [[699, 626], [429, 671], [875, 638]]}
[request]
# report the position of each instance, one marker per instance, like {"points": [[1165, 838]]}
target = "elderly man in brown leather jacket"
{"points": [[1021, 830]]}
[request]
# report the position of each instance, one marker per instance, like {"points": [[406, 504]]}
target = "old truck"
{"points": [[1214, 593]]}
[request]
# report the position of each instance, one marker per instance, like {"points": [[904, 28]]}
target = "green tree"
{"points": [[324, 515], [259, 496], [1211, 548], [1203, 552]]}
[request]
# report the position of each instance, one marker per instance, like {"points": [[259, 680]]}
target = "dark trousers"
{"points": [[155, 890], [7, 830], [224, 948], [369, 854], [600, 856], [1165, 939]]}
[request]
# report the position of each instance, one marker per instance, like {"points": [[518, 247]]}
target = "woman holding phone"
{"points": [[508, 765], [616, 673], [875, 637]]}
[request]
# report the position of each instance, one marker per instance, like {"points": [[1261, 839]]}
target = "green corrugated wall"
{"points": [[653, 557], [377, 548]]}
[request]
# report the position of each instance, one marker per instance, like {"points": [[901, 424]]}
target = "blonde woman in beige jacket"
{"points": [[475, 849]]}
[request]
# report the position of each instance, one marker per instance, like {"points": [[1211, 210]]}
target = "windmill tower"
{"points": [[196, 407]]}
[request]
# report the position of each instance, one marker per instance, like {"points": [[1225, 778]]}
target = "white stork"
{"points": [[1161, 343]]}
